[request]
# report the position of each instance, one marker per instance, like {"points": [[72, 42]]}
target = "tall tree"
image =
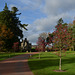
{"points": [[10, 19], [61, 39], [71, 27], [73, 31], [41, 42]]}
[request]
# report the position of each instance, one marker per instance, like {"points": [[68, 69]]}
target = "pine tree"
{"points": [[12, 22]]}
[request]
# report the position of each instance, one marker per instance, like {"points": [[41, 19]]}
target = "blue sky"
{"points": [[41, 15]]}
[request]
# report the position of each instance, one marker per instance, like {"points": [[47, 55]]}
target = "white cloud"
{"points": [[31, 4], [43, 25], [53, 9], [33, 37], [27, 4], [48, 23], [56, 7]]}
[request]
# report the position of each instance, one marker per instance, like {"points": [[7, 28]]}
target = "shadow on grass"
{"points": [[41, 64], [37, 64], [68, 61]]}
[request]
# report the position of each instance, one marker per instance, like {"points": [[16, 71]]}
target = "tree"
{"points": [[12, 22], [42, 41], [61, 40], [49, 39], [5, 8], [71, 27], [60, 21], [73, 31]]}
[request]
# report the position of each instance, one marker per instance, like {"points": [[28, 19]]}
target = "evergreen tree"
{"points": [[60, 21], [5, 8], [12, 22]]}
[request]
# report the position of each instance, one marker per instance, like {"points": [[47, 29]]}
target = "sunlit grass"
{"points": [[49, 62]]}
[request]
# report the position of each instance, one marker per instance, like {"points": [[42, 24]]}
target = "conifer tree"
{"points": [[12, 22]]}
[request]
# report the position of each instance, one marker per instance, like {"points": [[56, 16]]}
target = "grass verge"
{"points": [[4, 56], [49, 62]]}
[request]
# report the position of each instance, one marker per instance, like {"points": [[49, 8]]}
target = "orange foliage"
{"points": [[5, 33]]}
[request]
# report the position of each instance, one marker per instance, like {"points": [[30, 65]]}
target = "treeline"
{"points": [[62, 38], [10, 28]]}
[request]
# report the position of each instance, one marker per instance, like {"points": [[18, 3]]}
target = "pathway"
{"points": [[17, 65]]}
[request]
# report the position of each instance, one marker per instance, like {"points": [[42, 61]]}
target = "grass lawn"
{"points": [[49, 62], [4, 56]]}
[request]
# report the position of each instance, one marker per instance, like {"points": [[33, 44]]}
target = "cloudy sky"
{"points": [[41, 15]]}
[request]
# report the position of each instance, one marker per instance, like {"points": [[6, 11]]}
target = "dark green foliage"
{"points": [[49, 38], [5, 8], [10, 19], [60, 21], [14, 9]]}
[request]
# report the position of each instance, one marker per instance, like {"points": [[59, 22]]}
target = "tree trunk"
{"points": [[39, 55], [60, 61]]}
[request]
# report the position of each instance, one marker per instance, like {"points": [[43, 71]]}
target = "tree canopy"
{"points": [[10, 20]]}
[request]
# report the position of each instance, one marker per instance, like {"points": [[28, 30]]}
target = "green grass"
{"points": [[49, 62], [4, 56]]}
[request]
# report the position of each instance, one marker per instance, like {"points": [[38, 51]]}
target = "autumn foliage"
{"points": [[15, 46], [41, 44], [62, 38], [5, 34]]}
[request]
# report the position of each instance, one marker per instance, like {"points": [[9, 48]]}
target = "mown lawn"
{"points": [[4, 56], [49, 62]]}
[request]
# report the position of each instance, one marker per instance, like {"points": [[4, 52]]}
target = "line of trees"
{"points": [[63, 32], [63, 38], [10, 28]]}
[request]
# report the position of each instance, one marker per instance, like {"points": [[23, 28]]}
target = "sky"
{"points": [[41, 15]]}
